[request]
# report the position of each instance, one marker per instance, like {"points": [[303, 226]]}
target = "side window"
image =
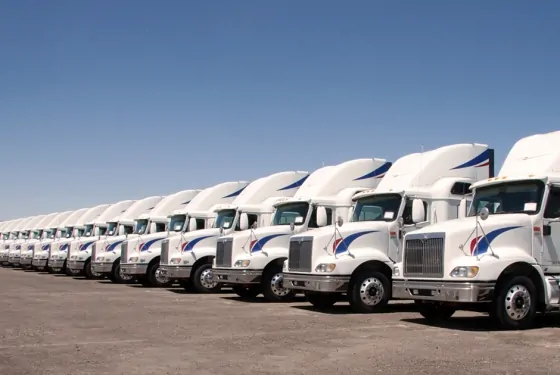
{"points": [[552, 210], [200, 224], [313, 218], [160, 227], [460, 188], [407, 212], [252, 219]]}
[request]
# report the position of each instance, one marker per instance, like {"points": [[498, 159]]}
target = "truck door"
{"points": [[551, 231]]}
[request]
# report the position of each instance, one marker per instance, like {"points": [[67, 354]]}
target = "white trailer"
{"points": [[503, 258], [251, 260], [79, 249], [189, 256], [356, 259], [151, 229]]}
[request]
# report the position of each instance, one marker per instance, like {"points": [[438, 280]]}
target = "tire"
{"points": [[155, 280], [273, 285], [51, 270], [187, 284], [370, 291], [116, 275], [201, 281], [322, 301], [515, 304], [435, 312], [247, 292], [69, 272], [89, 274]]}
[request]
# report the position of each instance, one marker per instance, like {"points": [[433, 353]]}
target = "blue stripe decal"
{"points": [[485, 155], [236, 193], [376, 173], [187, 202], [146, 246], [481, 244], [86, 245], [190, 245], [341, 245], [112, 246], [258, 245], [295, 184]]}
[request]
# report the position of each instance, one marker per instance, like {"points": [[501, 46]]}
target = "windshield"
{"points": [[37, 233], [68, 232], [177, 223], [383, 207], [225, 219], [141, 226], [111, 229], [89, 230], [80, 232], [509, 198], [6, 236], [51, 232], [291, 213]]}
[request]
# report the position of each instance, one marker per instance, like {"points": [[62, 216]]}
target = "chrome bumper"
{"points": [[4, 258], [13, 261], [56, 263], [75, 264], [102, 267], [25, 261], [175, 272], [316, 283], [230, 276], [134, 269], [39, 262], [443, 291]]}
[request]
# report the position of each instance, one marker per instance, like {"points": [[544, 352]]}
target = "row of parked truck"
{"points": [[437, 227]]}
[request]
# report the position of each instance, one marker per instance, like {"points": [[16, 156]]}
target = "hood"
{"points": [[146, 241], [113, 242], [187, 241], [253, 241]]}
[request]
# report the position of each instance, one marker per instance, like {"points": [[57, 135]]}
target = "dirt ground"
{"points": [[53, 324]]}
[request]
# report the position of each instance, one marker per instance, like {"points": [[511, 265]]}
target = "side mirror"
{"points": [[462, 209], [418, 214], [254, 225], [484, 213], [192, 224], [243, 221], [400, 222], [321, 216], [339, 221]]}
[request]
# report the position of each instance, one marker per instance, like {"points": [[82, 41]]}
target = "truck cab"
{"points": [[355, 259], [7, 239], [15, 248], [503, 256], [27, 250], [188, 256], [150, 230], [251, 260]]}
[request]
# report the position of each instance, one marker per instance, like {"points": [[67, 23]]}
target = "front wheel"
{"points": [[117, 276], [70, 272], [155, 278], [247, 292], [369, 292], [435, 312], [89, 273], [515, 304], [322, 301], [203, 281], [273, 285]]}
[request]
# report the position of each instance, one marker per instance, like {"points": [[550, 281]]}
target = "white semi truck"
{"points": [[54, 255], [197, 215], [356, 259], [26, 257], [151, 228], [504, 257], [120, 228], [7, 238], [79, 249], [189, 256], [24, 234], [251, 260]]}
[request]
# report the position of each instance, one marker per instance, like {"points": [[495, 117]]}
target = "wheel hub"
{"points": [[160, 278], [124, 276], [371, 291], [518, 302], [207, 279], [277, 285]]}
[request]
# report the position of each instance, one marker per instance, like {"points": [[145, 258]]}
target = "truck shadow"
{"points": [[483, 323], [343, 308], [180, 290], [261, 299]]}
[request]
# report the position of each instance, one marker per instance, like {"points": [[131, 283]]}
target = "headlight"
{"points": [[469, 271], [396, 271], [133, 260], [325, 267], [175, 261], [242, 263], [99, 259], [285, 266]]}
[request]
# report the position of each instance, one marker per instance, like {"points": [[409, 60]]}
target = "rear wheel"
{"points": [[322, 301], [89, 273], [202, 279], [250, 291], [273, 285], [155, 278]]}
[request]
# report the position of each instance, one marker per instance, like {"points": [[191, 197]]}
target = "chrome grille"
{"points": [[299, 256], [423, 256], [223, 253], [94, 252], [164, 252], [124, 252]]}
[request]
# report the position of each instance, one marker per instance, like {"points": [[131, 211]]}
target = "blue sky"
{"points": [[108, 100]]}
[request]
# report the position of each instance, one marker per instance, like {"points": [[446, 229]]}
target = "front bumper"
{"points": [[443, 291], [56, 263], [39, 262], [175, 272], [75, 265], [4, 258], [316, 283], [102, 267], [25, 261], [236, 276], [134, 269], [13, 260]]}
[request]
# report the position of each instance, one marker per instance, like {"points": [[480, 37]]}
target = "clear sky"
{"points": [[103, 100]]}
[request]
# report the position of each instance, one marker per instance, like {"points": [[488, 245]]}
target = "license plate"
{"points": [[423, 292]]}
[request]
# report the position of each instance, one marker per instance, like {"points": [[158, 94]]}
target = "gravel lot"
{"points": [[59, 325]]}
